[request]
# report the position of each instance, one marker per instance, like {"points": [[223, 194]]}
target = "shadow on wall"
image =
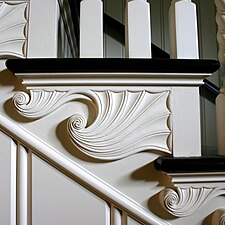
{"points": [[149, 173]]}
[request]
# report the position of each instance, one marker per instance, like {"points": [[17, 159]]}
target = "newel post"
{"points": [[138, 29], [91, 29], [183, 30], [220, 100]]}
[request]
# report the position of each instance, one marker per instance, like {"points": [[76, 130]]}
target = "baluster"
{"points": [[22, 200], [91, 29], [183, 29], [220, 100], [138, 29]]}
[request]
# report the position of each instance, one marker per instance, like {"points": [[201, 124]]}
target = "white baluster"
{"points": [[22, 201], [91, 29], [183, 30], [220, 100], [138, 29]]}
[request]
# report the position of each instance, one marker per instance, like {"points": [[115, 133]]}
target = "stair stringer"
{"points": [[77, 172]]}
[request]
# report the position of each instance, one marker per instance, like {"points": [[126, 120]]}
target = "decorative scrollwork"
{"points": [[127, 123], [41, 103], [13, 20], [185, 201]]}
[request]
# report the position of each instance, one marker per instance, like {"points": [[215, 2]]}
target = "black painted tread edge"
{"points": [[111, 65], [190, 164]]}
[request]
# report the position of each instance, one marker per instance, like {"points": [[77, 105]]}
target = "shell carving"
{"points": [[127, 123], [13, 29], [41, 103], [185, 201]]}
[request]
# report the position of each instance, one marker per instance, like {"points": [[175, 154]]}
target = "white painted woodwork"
{"points": [[42, 141], [138, 29], [64, 163], [128, 129], [43, 29], [22, 200], [131, 221], [186, 121], [184, 107], [8, 180], [91, 29], [116, 216], [50, 32], [13, 183], [59, 200], [191, 192], [183, 30], [160, 36], [13, 29]]}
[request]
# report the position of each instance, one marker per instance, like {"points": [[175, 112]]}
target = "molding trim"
{"points": [[128, 122], [85, 177], [13, 29], [196, 180], [191, 191]]}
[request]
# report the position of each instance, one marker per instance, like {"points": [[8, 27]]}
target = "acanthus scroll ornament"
{"points": [[13, 29], [40, 103], [126, 123], [185, 201]]}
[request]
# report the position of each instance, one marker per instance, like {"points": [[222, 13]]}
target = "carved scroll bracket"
{"points": [[127, 122], [191, 192]]}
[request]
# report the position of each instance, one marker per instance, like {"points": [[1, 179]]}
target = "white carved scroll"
{"points": [[41, 103], [183, 30], [191, 191], [127, 122], [138, 29], [13, 29], [185, 201], [91, 29]]}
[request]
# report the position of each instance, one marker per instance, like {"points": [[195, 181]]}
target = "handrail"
{"points": [[70, 167]]}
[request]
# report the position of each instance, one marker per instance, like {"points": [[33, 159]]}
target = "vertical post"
{"points": [[220, 100], [183, 30], [22, 203], [91, 29], [138, 29]]}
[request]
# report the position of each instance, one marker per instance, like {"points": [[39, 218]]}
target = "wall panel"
{"points": [[8, 180], [56, 199]]}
